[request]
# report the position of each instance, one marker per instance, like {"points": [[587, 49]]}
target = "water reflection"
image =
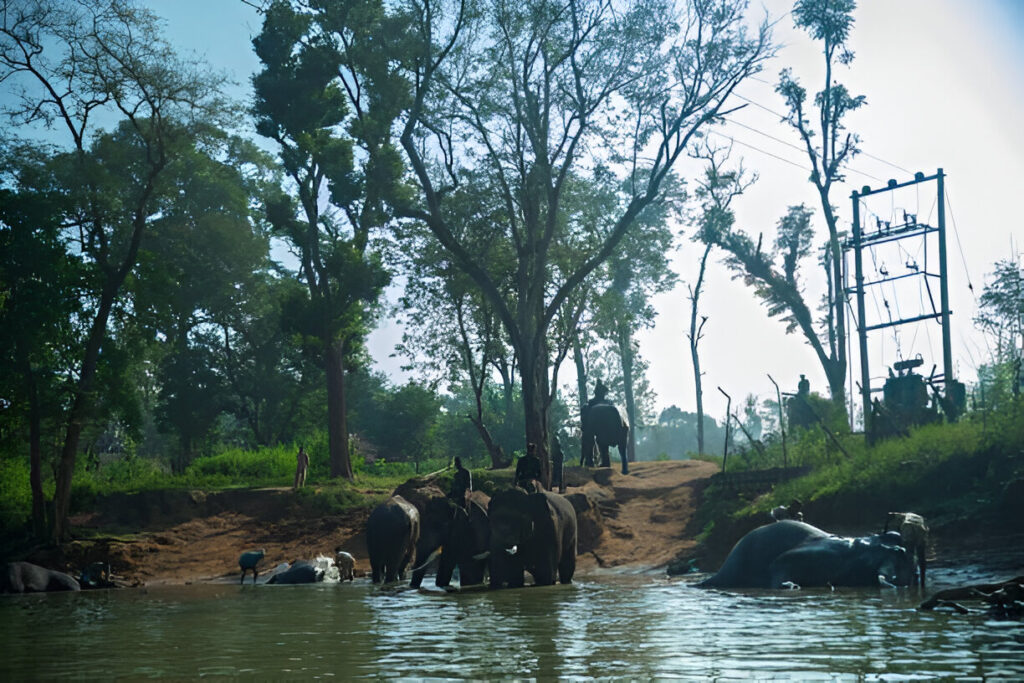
{"points": [[607, 626]]}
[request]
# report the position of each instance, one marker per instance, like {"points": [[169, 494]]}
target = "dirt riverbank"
{"points": [[636, 522]]}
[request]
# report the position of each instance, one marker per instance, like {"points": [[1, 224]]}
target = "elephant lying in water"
{"points": [[791, 552], [25, 577]]}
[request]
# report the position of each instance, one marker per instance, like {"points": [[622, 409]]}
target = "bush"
{"points": [[15, 496]]}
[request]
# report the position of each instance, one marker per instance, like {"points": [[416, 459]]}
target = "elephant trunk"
{"points": [[430, 558]]}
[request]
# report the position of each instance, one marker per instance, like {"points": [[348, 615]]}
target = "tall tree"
{"points": [[638, 270], [71, 63], [715, 192], [37, 274], [453, 333], [204, 250], [1001, 315], [829, 148], [536, 94], [328, 95]]}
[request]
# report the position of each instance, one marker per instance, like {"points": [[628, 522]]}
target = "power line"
{"points": [[758, 149], [785, 117], [956, 233]]}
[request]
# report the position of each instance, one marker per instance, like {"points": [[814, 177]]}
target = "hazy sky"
{"points": [[944, 81]]}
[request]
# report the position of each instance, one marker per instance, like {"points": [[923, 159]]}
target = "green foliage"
{"points": [[15, 496], [934, 465], [334, 500], [266, 466]]}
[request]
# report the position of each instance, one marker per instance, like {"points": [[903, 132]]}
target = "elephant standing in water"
{"points": [[604, 425], [459, 535], [790, 552], [534, 532], [392, 531]]}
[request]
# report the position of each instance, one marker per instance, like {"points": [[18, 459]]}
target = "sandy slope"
{"points": [[646, 517]]}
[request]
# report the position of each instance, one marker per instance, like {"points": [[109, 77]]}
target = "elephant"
{"points": [[458, 535], [534, 532], [300, 571], [391, 535], [604, 425], [788, 553], [25, 577]]}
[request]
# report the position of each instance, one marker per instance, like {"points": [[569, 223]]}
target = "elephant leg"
{"points": [[376, 573], [545, 571], [566, 568], [625, 460], [605, 460]]}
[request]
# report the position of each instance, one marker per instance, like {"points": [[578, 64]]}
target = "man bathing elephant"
{"points": [[788, 553]]}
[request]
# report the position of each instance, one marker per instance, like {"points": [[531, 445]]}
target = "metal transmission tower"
{"points": [[907, 387]]}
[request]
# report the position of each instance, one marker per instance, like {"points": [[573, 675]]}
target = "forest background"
{"points": [[190, 282]]}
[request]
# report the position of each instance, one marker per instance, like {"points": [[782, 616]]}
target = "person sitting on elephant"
{"points": [[792, 512], [528, 470], [600, 392], [462, 484]]}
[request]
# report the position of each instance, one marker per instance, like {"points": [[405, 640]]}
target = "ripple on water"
{"points": [[615, 627]]}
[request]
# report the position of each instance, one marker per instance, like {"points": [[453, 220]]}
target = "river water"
{"points": [[608, 626]]}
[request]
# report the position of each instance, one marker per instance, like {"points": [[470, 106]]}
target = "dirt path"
{"points": [[647, 514], [645, 518]]}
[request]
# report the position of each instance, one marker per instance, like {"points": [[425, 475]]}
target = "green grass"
{"points": [[938, 470]]}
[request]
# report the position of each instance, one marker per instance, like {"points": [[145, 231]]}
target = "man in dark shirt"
{"points": [[528, 467], [462, 484]]}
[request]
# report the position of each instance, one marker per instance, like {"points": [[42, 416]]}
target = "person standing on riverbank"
{"points": [[301, 467]]}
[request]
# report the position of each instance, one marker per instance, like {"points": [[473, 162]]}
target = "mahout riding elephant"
{"points": [[460, 536], [604, 425], [391, 535], [534, 532], [788, 552], [25, 577]]}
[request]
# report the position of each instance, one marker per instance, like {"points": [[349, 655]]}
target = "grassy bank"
{"points": [[229, 469], [972, 471]]}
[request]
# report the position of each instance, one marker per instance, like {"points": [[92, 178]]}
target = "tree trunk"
{"points": [[581, 381], [695, 335], [79, 410], [35, 451], [626, 356], [337, 425], [534, 379], [498, 459]]}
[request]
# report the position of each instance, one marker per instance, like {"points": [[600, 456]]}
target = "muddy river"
{"points": [[639, 626]]}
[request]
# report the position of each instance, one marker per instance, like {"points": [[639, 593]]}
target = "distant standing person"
{"points": [[462, 483], [301, 467]]}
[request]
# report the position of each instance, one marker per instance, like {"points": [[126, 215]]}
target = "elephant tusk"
{"points": [[513, 550], [430, 558], [482, 556]]}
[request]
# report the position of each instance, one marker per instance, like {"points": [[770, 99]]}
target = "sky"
{"points": [[944, 82]]}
